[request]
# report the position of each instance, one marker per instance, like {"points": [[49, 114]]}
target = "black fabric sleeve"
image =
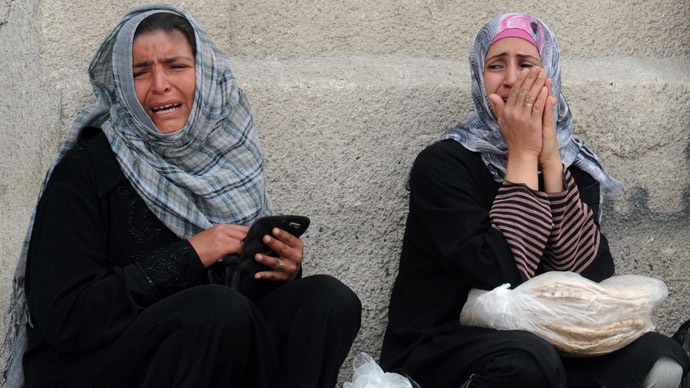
{"points": [[171, 268], [451, 196], [78, 296]]}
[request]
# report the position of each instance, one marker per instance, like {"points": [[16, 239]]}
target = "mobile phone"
{"points": [[237, 271], [253, 241]]}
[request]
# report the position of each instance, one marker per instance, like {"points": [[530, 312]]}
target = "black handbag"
{"points": [[237, 271]]}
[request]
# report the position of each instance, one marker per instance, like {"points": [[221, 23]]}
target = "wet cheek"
{"points": [[490, 84], [191, 88], [141, 93]]}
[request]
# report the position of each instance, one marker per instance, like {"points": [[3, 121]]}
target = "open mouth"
{"points": [[164, 109]]}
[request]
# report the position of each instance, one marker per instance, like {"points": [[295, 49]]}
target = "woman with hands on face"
{"points": [[505, 196], [520, 97], [156, 181]]}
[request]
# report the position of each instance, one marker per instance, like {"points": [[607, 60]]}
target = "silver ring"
{"points": [[281, 263]]}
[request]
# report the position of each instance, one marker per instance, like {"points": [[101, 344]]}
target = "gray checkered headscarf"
{"points": [[208, 172], [480, 132]]}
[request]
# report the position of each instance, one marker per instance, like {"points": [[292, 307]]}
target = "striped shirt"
{"points": [[556, 230]]}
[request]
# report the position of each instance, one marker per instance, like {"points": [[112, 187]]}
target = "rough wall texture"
{"points": [[345, 93]]}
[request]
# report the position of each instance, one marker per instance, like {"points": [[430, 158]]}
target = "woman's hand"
{"points": [[290, 251], [520, 117], [550, 156], [549, 151], [218, 241], [520, 121]]}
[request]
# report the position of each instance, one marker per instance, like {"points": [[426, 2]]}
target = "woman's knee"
{"points": [[534, 373], [215, 305], [331, 294], [529, 362]]}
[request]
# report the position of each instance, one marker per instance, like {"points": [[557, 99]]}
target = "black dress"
{"points": [[117, 300], [450, 247]]}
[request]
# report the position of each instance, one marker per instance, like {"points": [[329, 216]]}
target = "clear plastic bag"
{"points": [[368, 374], [576, 315]]}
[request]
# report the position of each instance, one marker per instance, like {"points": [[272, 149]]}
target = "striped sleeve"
{"points": [[575, 238], [523, 216]]}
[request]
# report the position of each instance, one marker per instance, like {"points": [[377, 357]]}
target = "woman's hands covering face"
{"points": [[528, 126], [521, 117]]}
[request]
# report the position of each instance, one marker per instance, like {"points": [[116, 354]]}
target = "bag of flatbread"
{"points": [[576, 315]]}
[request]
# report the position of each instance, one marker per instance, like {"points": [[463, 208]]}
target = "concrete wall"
{"points": [[346, 93]]}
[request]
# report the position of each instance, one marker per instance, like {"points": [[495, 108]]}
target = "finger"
{"points": [[292, 253], [497, 105], [237, 232], [272, 275], [291, 246], [281, 269], [548, 110], [277, 246], [275, 263], [537, 109], [286, 237], [515, 90], [233, 247], [550, 102], [241, 228], [535, 89], [548, 84], [525, 87], [278, 264]]}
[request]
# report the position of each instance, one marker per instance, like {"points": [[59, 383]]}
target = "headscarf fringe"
{"points": [[15, 321]]}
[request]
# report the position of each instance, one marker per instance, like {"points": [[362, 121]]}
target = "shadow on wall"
{"points": [[642, 215]]}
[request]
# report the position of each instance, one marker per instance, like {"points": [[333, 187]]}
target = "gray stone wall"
{"points": [[346, 93]]}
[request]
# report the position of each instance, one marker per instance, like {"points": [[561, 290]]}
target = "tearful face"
{"points": [[163, 67]]}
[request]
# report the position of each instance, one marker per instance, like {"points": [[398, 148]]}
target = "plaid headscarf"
{"points": [[208, 172], [480, 132]]}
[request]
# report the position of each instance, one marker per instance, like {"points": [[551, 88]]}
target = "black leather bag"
{"points": [[237, 271]]}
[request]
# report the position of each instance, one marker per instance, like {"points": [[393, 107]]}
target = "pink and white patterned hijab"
{"points": [[480, 132]]}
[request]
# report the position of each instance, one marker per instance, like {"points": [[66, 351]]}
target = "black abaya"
{"points": [[117, 300], [449, 247]]}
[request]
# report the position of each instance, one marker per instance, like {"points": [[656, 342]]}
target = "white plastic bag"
{"points": [[576, 315], [368, 374]]}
